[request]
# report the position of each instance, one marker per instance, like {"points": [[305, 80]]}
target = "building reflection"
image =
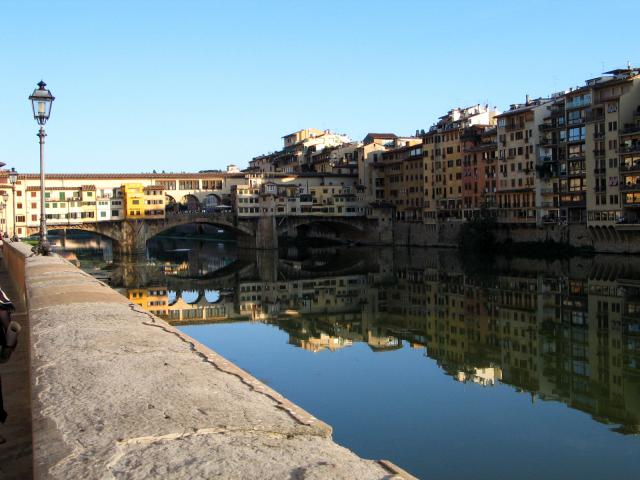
{"points": [[565, 331]]}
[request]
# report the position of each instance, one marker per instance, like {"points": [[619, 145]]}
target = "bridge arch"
{"points": [[85, 228], [238, 230], [212, 200], [212, 296], [337, 229], [170, 203], [190, 203]]}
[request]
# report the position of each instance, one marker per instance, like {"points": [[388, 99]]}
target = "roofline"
{"points": [[172, 176]]}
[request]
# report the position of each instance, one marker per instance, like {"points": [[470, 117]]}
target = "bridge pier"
{"points": [[265, 238], [134, 236]]}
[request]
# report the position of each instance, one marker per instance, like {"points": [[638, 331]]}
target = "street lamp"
{"points": [[13, 179], [41, 100]]}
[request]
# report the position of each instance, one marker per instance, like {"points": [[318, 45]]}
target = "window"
{"points": [[577, 134], [574, 117]]}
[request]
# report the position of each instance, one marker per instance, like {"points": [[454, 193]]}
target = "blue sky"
{"points": [[190, 85]]}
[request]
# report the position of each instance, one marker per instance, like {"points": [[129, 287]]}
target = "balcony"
{"points": [[595, 116], [633, 148], [630, 129], [551, 219], [545, 127], [578, 102], [633, 167], [631, 202], [600, 171], [599, 152], [630, 187], [627, 224], [514, 126], [598, 135]]}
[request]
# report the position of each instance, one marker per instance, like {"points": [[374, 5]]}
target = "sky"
{"points": [[189, 85]]}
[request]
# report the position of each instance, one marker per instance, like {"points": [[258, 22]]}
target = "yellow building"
{"points": [[133, 200], [154, 201], [143, 202]]}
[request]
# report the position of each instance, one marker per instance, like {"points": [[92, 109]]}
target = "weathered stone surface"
{"points": [[118, 393], [15, 434], [232, 456]]}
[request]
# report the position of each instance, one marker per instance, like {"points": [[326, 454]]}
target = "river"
{"points": [[450, 367]]}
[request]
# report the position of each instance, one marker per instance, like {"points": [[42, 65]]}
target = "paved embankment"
{"points": [[15, 433], [117, 392]]}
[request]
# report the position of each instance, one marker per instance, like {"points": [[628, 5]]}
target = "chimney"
{"points": [[528, 99]]}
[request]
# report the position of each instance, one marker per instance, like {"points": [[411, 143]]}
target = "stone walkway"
{"points": [[16, 453], [118, 393]]}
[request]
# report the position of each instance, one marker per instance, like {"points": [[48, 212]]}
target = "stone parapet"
{"points": [[118, 393]]}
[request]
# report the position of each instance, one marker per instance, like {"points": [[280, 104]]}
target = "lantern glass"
{"points": [[13, 176], [41, 101]]}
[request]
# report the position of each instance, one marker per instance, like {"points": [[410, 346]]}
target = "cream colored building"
{"points": [[518, 139]]}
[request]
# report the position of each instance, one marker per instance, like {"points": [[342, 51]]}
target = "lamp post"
{"points": [[13, 179], [41, 100]]}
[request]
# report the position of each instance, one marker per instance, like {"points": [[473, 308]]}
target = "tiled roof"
{"points": [[389, 136]]}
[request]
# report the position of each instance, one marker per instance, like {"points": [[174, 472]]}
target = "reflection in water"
{"points": [[565, 331], [572, 337]]}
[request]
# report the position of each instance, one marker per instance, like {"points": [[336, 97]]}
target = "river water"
{"points": [[450, 367]]}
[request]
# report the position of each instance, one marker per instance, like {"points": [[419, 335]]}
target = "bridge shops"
{"points": [[81, 200]]}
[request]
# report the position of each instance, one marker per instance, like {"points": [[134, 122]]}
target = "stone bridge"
{"points": [[130, 236]]}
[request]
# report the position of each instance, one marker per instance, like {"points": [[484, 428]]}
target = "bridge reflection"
{"points": [[567, 330]]}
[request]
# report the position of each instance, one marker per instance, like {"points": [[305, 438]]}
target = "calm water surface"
{"points": [[451, 368]]}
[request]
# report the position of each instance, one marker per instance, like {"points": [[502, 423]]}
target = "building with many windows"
{"points": [[443, 150], [518, 139]]}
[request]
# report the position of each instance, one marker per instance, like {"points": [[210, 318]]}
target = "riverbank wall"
{"points": [[578, 236], [118, 393]]}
